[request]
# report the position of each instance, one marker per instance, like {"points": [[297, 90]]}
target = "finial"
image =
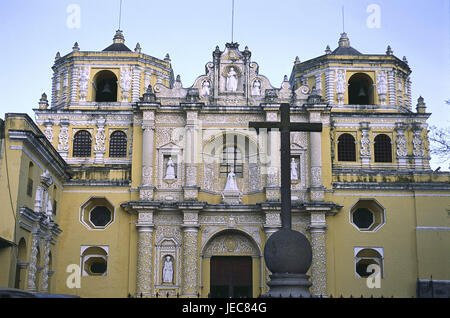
{"points": [[297, 60], [389, 50], [344, 40], [178, 78], [118, 37], [43, 102], [286, 78], [421, 106], [328, 50], [138, 48], [58, 56], [149, 95], [76, 47], [405, 60], [167, 58]]}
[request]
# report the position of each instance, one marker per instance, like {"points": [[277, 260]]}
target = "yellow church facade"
{"points": [[141, 186]]}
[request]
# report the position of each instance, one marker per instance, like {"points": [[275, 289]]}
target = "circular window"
{"points": [[363, 218], [100, 216]]}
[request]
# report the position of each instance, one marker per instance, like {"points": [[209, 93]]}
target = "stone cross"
{"points": [[285, 127]]}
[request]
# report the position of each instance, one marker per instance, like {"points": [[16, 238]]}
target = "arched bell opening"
{"points": [[360, 90], [105, 87]]}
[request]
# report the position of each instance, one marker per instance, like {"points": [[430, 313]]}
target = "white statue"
{"points": [[231, 185], [170, 171], [294, 172], [232, 80], [340, 82], [205, 88], [382, 83], [256, 88], [168, 270]]}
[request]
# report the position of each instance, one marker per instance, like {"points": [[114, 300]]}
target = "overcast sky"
{"points": [[275, 32]]}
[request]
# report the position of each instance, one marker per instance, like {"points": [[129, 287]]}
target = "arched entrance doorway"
{"points": [[231, 266]]}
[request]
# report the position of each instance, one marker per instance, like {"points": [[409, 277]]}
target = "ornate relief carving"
{"points": [[63, 139], [83, 77], [382, 86], [365, 143], [318, 266], [418, 150], [231, 244], [48, 132], [316, 176], [401, 144], [125, 83], [190, 252], [144, 262]]}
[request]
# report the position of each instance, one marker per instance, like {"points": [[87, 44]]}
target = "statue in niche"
{"points": [[294, 172], [232, 80], [231, 185], [168, 270], [205, 88], [170, 171], [256, 88]]}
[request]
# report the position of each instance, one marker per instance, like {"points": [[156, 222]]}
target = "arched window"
{"points": [[366, 257], [105, 86], [30, 179], [94, 261], [382, 148], [346, 148], [82, 143], [360, 90], [118, 144], [231, 157]]}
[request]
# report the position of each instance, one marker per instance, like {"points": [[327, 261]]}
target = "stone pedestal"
{"points": [[231, 197], [288, 285]]}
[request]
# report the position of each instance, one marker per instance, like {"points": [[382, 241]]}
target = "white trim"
{"points": [[94, 192], [433, 228], [394, 194]]}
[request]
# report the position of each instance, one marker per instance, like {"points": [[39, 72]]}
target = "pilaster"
{"points": [[145, 226], [317, 230]]}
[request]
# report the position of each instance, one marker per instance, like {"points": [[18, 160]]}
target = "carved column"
{"points": [[272, 167], [148, 134], [190, 253], [74, 85], [401, 143], [315, 152], [271, 225], [145, 253], [32, 269], [317, 230], [191, 156], [100, 137], [63, 139], [391, 87], [329, 82], [45, 270], [418, 148], [136, 84], [365, 145]]}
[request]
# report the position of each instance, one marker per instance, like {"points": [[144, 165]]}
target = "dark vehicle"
{"points": [[55, 296], [15, 293]]}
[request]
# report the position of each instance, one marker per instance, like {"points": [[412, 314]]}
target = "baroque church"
{"points": [[128, 183]]}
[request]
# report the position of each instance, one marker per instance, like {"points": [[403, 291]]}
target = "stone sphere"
{"points": [[288, 251]]}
